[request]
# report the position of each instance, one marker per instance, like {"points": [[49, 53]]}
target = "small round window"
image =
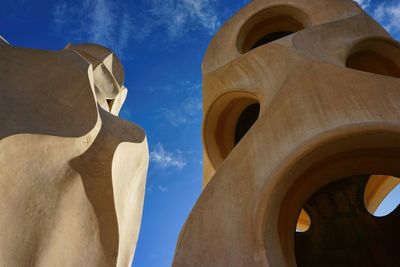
{"points": [[376, 56], [270, 25], [228, 121]]}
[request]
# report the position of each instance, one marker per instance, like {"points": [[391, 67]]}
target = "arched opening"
{"points": [[346, 152], [376, 56], [270, 25], [270, 37], [246, 119], [382, 195], [344, 233], [227, 122]]}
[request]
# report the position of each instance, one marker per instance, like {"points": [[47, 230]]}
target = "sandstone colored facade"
{"points": [[301, 102], [72, 174]]}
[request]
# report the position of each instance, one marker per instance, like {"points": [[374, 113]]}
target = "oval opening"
{"points": [[382, 195], [228, 121], [343, 233], [270, 25], [376, 56]]}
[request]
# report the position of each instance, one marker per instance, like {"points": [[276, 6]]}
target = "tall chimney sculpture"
{"points": [[72, 174], [301, 129]]}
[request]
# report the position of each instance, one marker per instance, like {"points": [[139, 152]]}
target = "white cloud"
{"points": [[188, 112], [389, 16], [169, 86], [113, 22], [59, 13], [165, 159], [163, 188], [98, 21], [181, 16], [363, 3]]}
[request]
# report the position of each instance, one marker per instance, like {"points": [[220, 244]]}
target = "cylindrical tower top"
{"points": [[260, 17]]}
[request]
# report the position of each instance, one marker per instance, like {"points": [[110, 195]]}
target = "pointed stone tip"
{"points": [[96, 53]]}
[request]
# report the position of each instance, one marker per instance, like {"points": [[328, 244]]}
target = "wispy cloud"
{"points": [[363, 3], [115, 23], [98, 21], [185, 109], [388, 14], [188, 112], [169, 86], [166, 159], [162, 188], [181, 16], [150, 188]]}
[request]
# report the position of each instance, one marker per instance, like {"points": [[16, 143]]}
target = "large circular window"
{"points": [[227, 122], [376, 56], [344, 232], [270, 25]]}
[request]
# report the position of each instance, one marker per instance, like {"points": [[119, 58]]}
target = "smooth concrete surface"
{"points": [[72, 174]]}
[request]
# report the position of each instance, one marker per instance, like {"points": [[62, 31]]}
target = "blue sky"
{"points": [[161, 44]]}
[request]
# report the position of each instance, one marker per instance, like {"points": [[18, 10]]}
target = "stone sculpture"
{"points": [[301, 106], [72, 174]]}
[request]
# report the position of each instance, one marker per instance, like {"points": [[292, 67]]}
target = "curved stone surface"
{"points": [[319, 121], [50, 104], [72, 175]]}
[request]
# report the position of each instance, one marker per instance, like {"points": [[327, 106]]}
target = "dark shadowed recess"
{"points": [[344, 233], [246, 119], [270, 38]]}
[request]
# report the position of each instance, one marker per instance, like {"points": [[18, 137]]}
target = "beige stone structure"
{"points": [[72, 174], [301, 116]]}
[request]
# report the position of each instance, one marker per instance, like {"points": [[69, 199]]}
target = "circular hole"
{"points": [[344, 233], [270, 25], [227, 122], [382, 195], [376, 56]]}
